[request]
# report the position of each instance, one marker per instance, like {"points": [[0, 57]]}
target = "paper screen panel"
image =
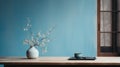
{"points": [[105, 5], [105, 39], [105, 22]]}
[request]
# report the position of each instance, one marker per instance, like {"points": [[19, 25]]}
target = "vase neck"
{"points": [[31, 46]]}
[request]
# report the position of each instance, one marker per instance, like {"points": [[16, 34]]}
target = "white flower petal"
{"points": [[38, 34], [28, 24], [31, 43]]}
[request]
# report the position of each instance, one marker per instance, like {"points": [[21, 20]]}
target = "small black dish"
{"points": [[77, 55]]}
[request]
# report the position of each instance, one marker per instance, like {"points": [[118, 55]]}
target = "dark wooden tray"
{"points": [[82, 58]]}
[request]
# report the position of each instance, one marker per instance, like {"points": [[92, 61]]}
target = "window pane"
{"points": [[105, 22], [102, 43], [106, 5], [108, 39], [105, 39], [118, 4], [118, 39], [118, 22]]}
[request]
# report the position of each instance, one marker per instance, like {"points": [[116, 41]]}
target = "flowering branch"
{"points": [[38, 39]]}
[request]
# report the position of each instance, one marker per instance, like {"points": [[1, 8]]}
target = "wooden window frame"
{"points": [[99, 53]]}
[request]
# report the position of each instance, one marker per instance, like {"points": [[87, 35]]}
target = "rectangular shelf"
{"points": [[58, 61]]}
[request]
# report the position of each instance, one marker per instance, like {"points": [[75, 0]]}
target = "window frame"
{"points": [[99, 53]]}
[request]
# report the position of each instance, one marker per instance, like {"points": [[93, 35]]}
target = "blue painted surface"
{"points": [[75, 29]]}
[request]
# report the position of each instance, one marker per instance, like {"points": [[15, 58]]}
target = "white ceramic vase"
{"points": [[32, 53]]}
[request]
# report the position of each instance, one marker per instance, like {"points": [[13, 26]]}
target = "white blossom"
{"points": [[43, 35], [32, 38], [25, 29], [26, 41], [38, 34], [43, 44], [31, 43]]}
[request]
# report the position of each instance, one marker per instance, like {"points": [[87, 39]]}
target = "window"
{"points": [[108, 27]]}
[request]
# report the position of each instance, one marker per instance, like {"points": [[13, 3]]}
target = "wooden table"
{"points": [[43, 61]]}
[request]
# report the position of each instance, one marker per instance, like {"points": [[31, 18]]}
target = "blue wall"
{"points": [[75, 29]]}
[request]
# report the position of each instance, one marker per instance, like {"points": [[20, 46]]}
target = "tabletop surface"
{"points": [[60, 61]]}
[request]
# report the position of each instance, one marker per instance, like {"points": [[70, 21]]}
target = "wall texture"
{"points": [[74, 20]]}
